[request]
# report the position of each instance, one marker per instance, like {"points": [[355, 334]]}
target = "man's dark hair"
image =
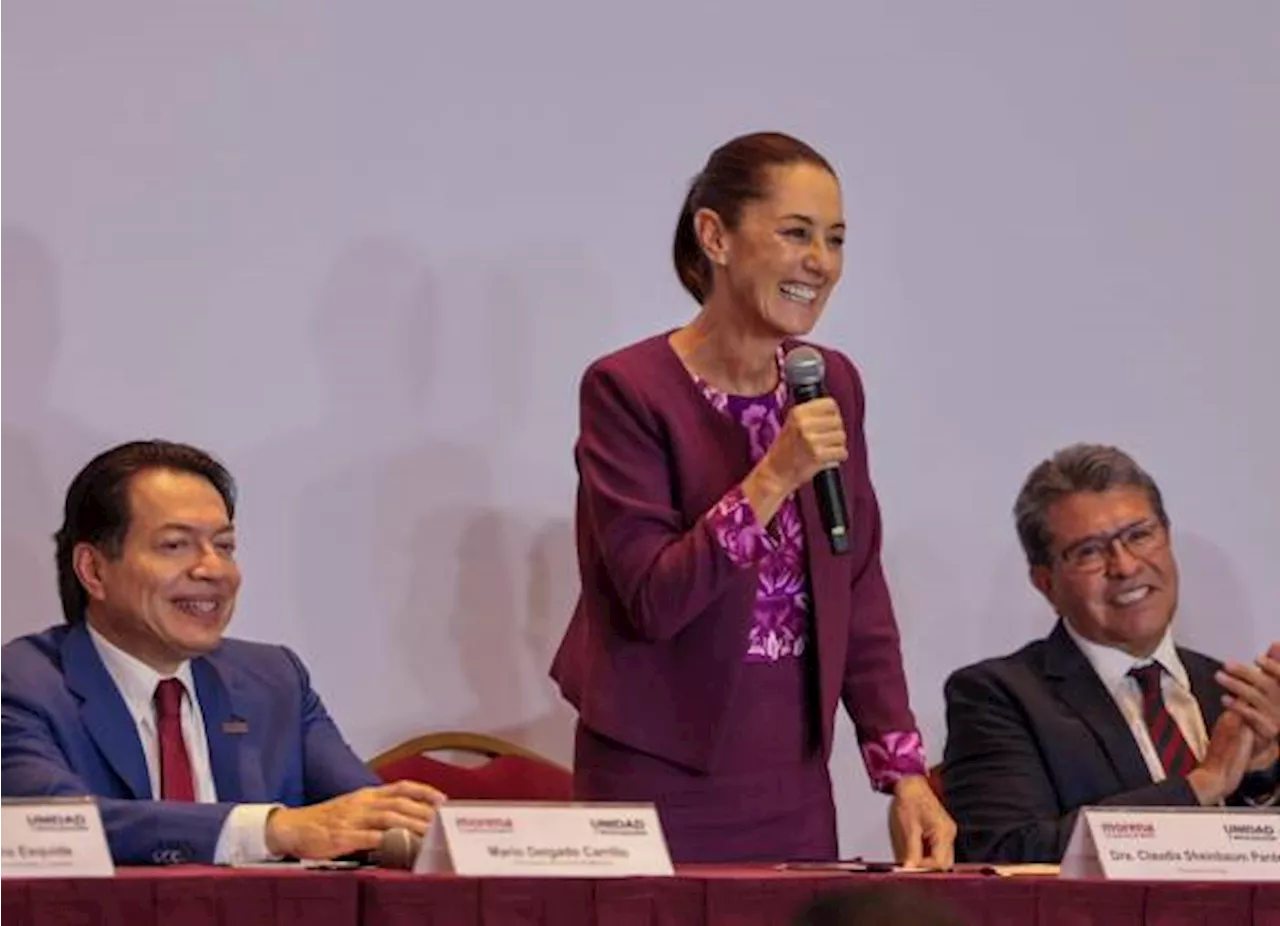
{"points": [[97, 504], [1078, 468]]}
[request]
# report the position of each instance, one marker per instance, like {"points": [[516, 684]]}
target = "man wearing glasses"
{"points": [[1106, 709]]}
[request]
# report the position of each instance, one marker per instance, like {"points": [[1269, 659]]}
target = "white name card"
{"points": [[487, 838], [1175, 844], [53, 838]]}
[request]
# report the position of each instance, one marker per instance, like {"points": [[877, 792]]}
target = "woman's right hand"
{"points": [[812, 439]]}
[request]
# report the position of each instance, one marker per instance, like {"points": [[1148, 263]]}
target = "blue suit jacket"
{"points": [[66, 731]]}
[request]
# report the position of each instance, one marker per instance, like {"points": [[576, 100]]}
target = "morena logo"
{"points": [[1129, 830], [485, 825]]}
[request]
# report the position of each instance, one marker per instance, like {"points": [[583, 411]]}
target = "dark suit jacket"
{"points": [[1034, 736], [656, 645], [66, 731]]}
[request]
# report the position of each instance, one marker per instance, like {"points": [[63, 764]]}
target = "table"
{"points": [[698, 895], [186, 894]]}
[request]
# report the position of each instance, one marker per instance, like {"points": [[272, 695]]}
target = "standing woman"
{"points": [[716, 631]]}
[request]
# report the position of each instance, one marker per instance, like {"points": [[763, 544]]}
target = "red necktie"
{"points": [[176, 781], [1171, 746]]}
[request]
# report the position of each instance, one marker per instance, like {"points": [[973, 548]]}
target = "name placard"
{"points": [[488, 838], [1175, 844], [53, 838]]}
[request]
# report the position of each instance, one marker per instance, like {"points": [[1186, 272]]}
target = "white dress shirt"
{"points": [[1113, 665], [244, 835]]}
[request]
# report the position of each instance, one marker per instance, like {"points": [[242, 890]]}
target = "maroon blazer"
{"points": [[656, 644]]}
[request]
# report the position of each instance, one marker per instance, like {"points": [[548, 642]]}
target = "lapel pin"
{"points": [[235, 727]]}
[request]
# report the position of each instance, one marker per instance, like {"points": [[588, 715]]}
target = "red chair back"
{"points": [[512, 773]]}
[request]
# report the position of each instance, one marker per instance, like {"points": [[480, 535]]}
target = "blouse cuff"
{"points": [[733, 524], [892, 757]]}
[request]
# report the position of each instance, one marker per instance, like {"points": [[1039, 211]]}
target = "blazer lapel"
{"points": [[1079, 687], [227, 728], [102, 708], [830, 625]]}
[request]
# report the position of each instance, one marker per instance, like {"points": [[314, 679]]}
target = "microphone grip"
{"points": [[806, 392]]}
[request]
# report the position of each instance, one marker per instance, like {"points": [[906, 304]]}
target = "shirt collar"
{"points": [[1113, 664], [136, 680]]}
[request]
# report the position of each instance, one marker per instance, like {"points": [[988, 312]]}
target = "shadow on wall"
{"points": [[551, 595], [340, 505], [1214, 616], [514, 585], [1014, 612], [504, 579], [916, 569], [421, 604], [948, 617], [42, 447]]}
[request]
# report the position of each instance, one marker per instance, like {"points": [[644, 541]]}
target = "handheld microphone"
{"points": [[398, 849], [805, 370]]}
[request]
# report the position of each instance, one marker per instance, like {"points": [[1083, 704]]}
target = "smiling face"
{"points": [[785, 256], [169, 593], [1111, 573]]}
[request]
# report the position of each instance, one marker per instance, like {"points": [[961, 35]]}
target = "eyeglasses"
{"points": [[1093, 553]]}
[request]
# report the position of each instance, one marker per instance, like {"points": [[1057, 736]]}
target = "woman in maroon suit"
{"points": [[716, 631]]}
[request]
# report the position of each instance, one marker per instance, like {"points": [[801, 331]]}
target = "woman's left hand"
{"points": [[922, 832]]}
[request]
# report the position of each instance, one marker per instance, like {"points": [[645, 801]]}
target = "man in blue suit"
{"points": [[198, 748]]}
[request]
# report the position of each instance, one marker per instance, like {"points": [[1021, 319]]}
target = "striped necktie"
{"points": [[1171, 746]]}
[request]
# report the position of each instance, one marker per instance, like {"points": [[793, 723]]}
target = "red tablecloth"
{"points": [[700, 895], [185, 895]]}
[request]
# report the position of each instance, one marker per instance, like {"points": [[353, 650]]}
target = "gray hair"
{"points": [[1078, 468]]}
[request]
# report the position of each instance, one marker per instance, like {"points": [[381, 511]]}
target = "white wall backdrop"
{"points": [[363, 251]]}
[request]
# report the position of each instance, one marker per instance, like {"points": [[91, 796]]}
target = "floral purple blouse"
{"points": [[781, 626]]}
